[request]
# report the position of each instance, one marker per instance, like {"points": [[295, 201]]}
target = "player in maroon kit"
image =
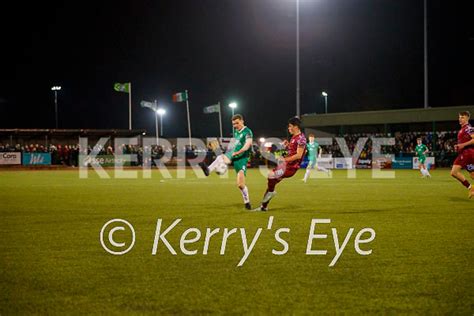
{"points": [[288, 165], [465, 149]]}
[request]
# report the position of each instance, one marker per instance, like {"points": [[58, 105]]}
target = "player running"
{"points": [[421, 150], [465, 149], [239, 156], [313, 149], [287, 166]]}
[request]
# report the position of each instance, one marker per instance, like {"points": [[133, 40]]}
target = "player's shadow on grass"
{"points": [[459, 199], [271, 209], [291, 208]]}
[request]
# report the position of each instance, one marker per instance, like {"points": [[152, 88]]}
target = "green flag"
{"points": [[122, 87], [150, 105]]}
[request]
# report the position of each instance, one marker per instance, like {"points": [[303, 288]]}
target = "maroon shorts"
{"points": [[466, 160], [284, 171]]}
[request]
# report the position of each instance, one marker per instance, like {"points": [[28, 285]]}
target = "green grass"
{"points": [[51, 260]]}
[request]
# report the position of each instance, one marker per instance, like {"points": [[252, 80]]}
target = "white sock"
{"points": [[215, 163], [427, 172], [245, 194], [422, 171], [306, 175]]}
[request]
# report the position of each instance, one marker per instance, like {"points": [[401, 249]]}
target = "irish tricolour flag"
{"points": [[180, 96]]}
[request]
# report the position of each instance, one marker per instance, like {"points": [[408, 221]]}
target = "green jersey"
{"points": [[420, 150], [240, 138], [312, 149]]}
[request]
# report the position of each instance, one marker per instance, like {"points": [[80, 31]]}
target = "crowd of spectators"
{"points": [[60, 154], [69, 154], [441, 145]]}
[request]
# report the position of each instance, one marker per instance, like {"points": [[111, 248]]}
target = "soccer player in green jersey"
{"points": [[421, 150], [314, 151], [239, 156]]}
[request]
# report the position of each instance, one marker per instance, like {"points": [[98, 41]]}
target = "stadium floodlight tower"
{"points": [[56, 89], [325, 95], [161, 112], [233, 106]]}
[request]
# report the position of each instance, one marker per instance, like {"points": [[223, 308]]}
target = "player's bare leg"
{"points": [[243, 189], [427, 173], [307, 173], [219, 159], [322, 169], [312, 166], [456, 173], [270, 192], [424, 171], [471, 190]]}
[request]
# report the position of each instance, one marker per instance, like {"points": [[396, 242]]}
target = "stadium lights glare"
{"points": [[161, 112], [262, 139], [233, 105], [55, 88], [324, 94]]}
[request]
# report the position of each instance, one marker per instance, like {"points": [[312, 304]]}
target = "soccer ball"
{"points": [[221, 168]]}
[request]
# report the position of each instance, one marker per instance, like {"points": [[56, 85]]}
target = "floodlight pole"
{"points": [[56, 107], [156, 129], [189, 120], [233, 130], [220, 118], [325, 96], [233, 105], [56, 89], [161, 125], [156, 124], [326, 104]]}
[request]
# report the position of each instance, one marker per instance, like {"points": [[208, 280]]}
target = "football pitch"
{"points": [[52, 261]]}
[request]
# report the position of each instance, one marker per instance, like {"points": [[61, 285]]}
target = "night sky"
{"points": [[367, 54]]}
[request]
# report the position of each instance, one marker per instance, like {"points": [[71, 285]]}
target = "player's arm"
{"points": [[320, 152], [426, 151], [297, 156], [469, 143], [248, 143]]}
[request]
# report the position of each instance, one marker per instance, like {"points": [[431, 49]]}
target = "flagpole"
{"points": [[189, 120], [220, 118], [129, 105]]}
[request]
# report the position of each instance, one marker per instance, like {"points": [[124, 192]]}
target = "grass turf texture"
{"points": [[51, 260]]}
